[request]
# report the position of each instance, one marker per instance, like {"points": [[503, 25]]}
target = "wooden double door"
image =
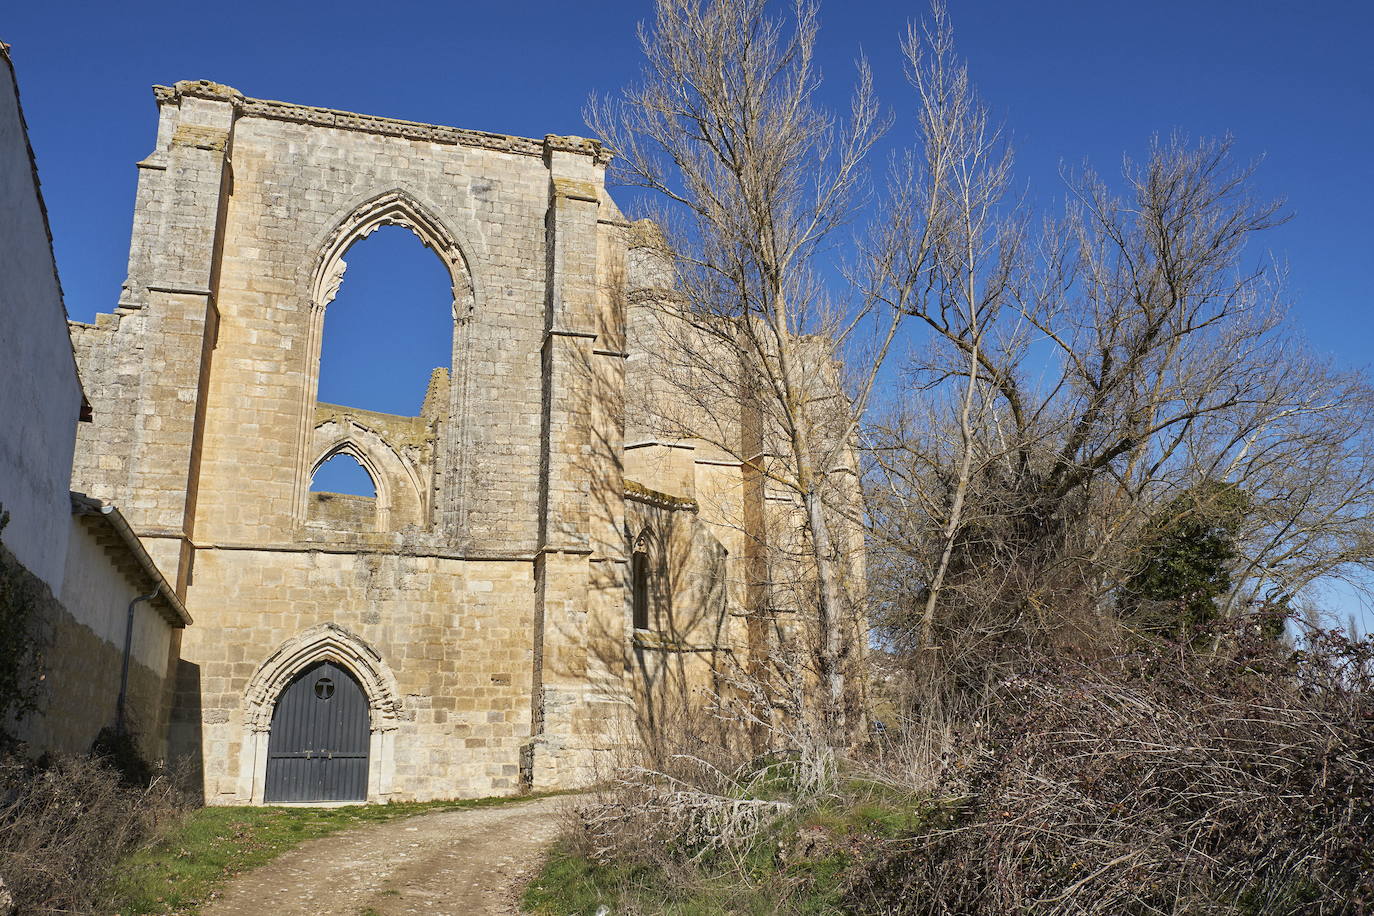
{"points": [[318, 747]]}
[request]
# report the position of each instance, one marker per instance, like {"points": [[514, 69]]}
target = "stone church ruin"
{"points": [[535, 563]]}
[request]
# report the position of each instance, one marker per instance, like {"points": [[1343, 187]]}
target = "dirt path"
{"points": [[463, 863]]}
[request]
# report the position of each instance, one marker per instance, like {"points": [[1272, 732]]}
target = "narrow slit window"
{"points": [[639, 589]]}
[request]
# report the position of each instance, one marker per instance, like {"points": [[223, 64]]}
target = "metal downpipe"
{"points": [[128, 651]]}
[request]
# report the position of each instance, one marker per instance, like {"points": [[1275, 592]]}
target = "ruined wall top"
{"points": [[395, 127]]}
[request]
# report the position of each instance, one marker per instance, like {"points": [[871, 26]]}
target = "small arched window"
{"points": [[639, 583], [343, 495], [343, 473]]}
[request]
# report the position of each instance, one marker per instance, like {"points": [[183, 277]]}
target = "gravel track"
{"points": [[452, 862]]}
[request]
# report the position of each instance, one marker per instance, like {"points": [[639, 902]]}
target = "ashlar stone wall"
{"points": [[482, 605]]}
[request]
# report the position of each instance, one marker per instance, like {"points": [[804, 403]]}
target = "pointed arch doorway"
{"points": [[319, 741]]}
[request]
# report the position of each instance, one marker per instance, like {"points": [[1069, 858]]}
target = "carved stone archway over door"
{"points": [[273, 689]]}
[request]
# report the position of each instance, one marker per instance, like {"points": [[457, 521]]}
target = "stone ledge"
{"points": [[661, 642], [198, 89], [374, 124], [640, 493], [397, 430], [412, 551]]}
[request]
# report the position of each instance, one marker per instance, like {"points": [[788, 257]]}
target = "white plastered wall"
{"points": [[42, 396]]}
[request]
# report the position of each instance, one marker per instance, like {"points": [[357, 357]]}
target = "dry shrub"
{"points": [[649, 814], [1235, 778], [1231, 774], [712, 778], [65, 825]]}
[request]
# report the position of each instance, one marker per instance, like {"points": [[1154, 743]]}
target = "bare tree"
{"points": [[1133, 358], [725, 126], [962, 271]]}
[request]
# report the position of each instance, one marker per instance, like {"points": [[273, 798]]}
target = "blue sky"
{"points": [[1294, 82], [1072, 80]]}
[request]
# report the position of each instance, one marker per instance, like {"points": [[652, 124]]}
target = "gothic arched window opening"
{"points": [[640, 594], [343, 495], [389, 326], [343, 474]]}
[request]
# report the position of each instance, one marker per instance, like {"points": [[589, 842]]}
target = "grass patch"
{"points": [[572, 885], [804, 866], [180, 872]]}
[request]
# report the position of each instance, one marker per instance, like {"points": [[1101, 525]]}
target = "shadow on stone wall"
{"points": [[184, 739]]}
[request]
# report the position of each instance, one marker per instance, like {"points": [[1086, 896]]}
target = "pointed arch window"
{"points": [[393, 333], [389, 326], [640, 593], [343, 495], [343, 473]]}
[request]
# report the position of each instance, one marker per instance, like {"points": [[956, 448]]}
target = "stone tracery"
{"points": [[391, 208], [398, 458]]}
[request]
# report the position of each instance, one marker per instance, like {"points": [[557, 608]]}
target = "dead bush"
{"points": [[1237, 779], [690, 786], [651, 814], [64, 826]]}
